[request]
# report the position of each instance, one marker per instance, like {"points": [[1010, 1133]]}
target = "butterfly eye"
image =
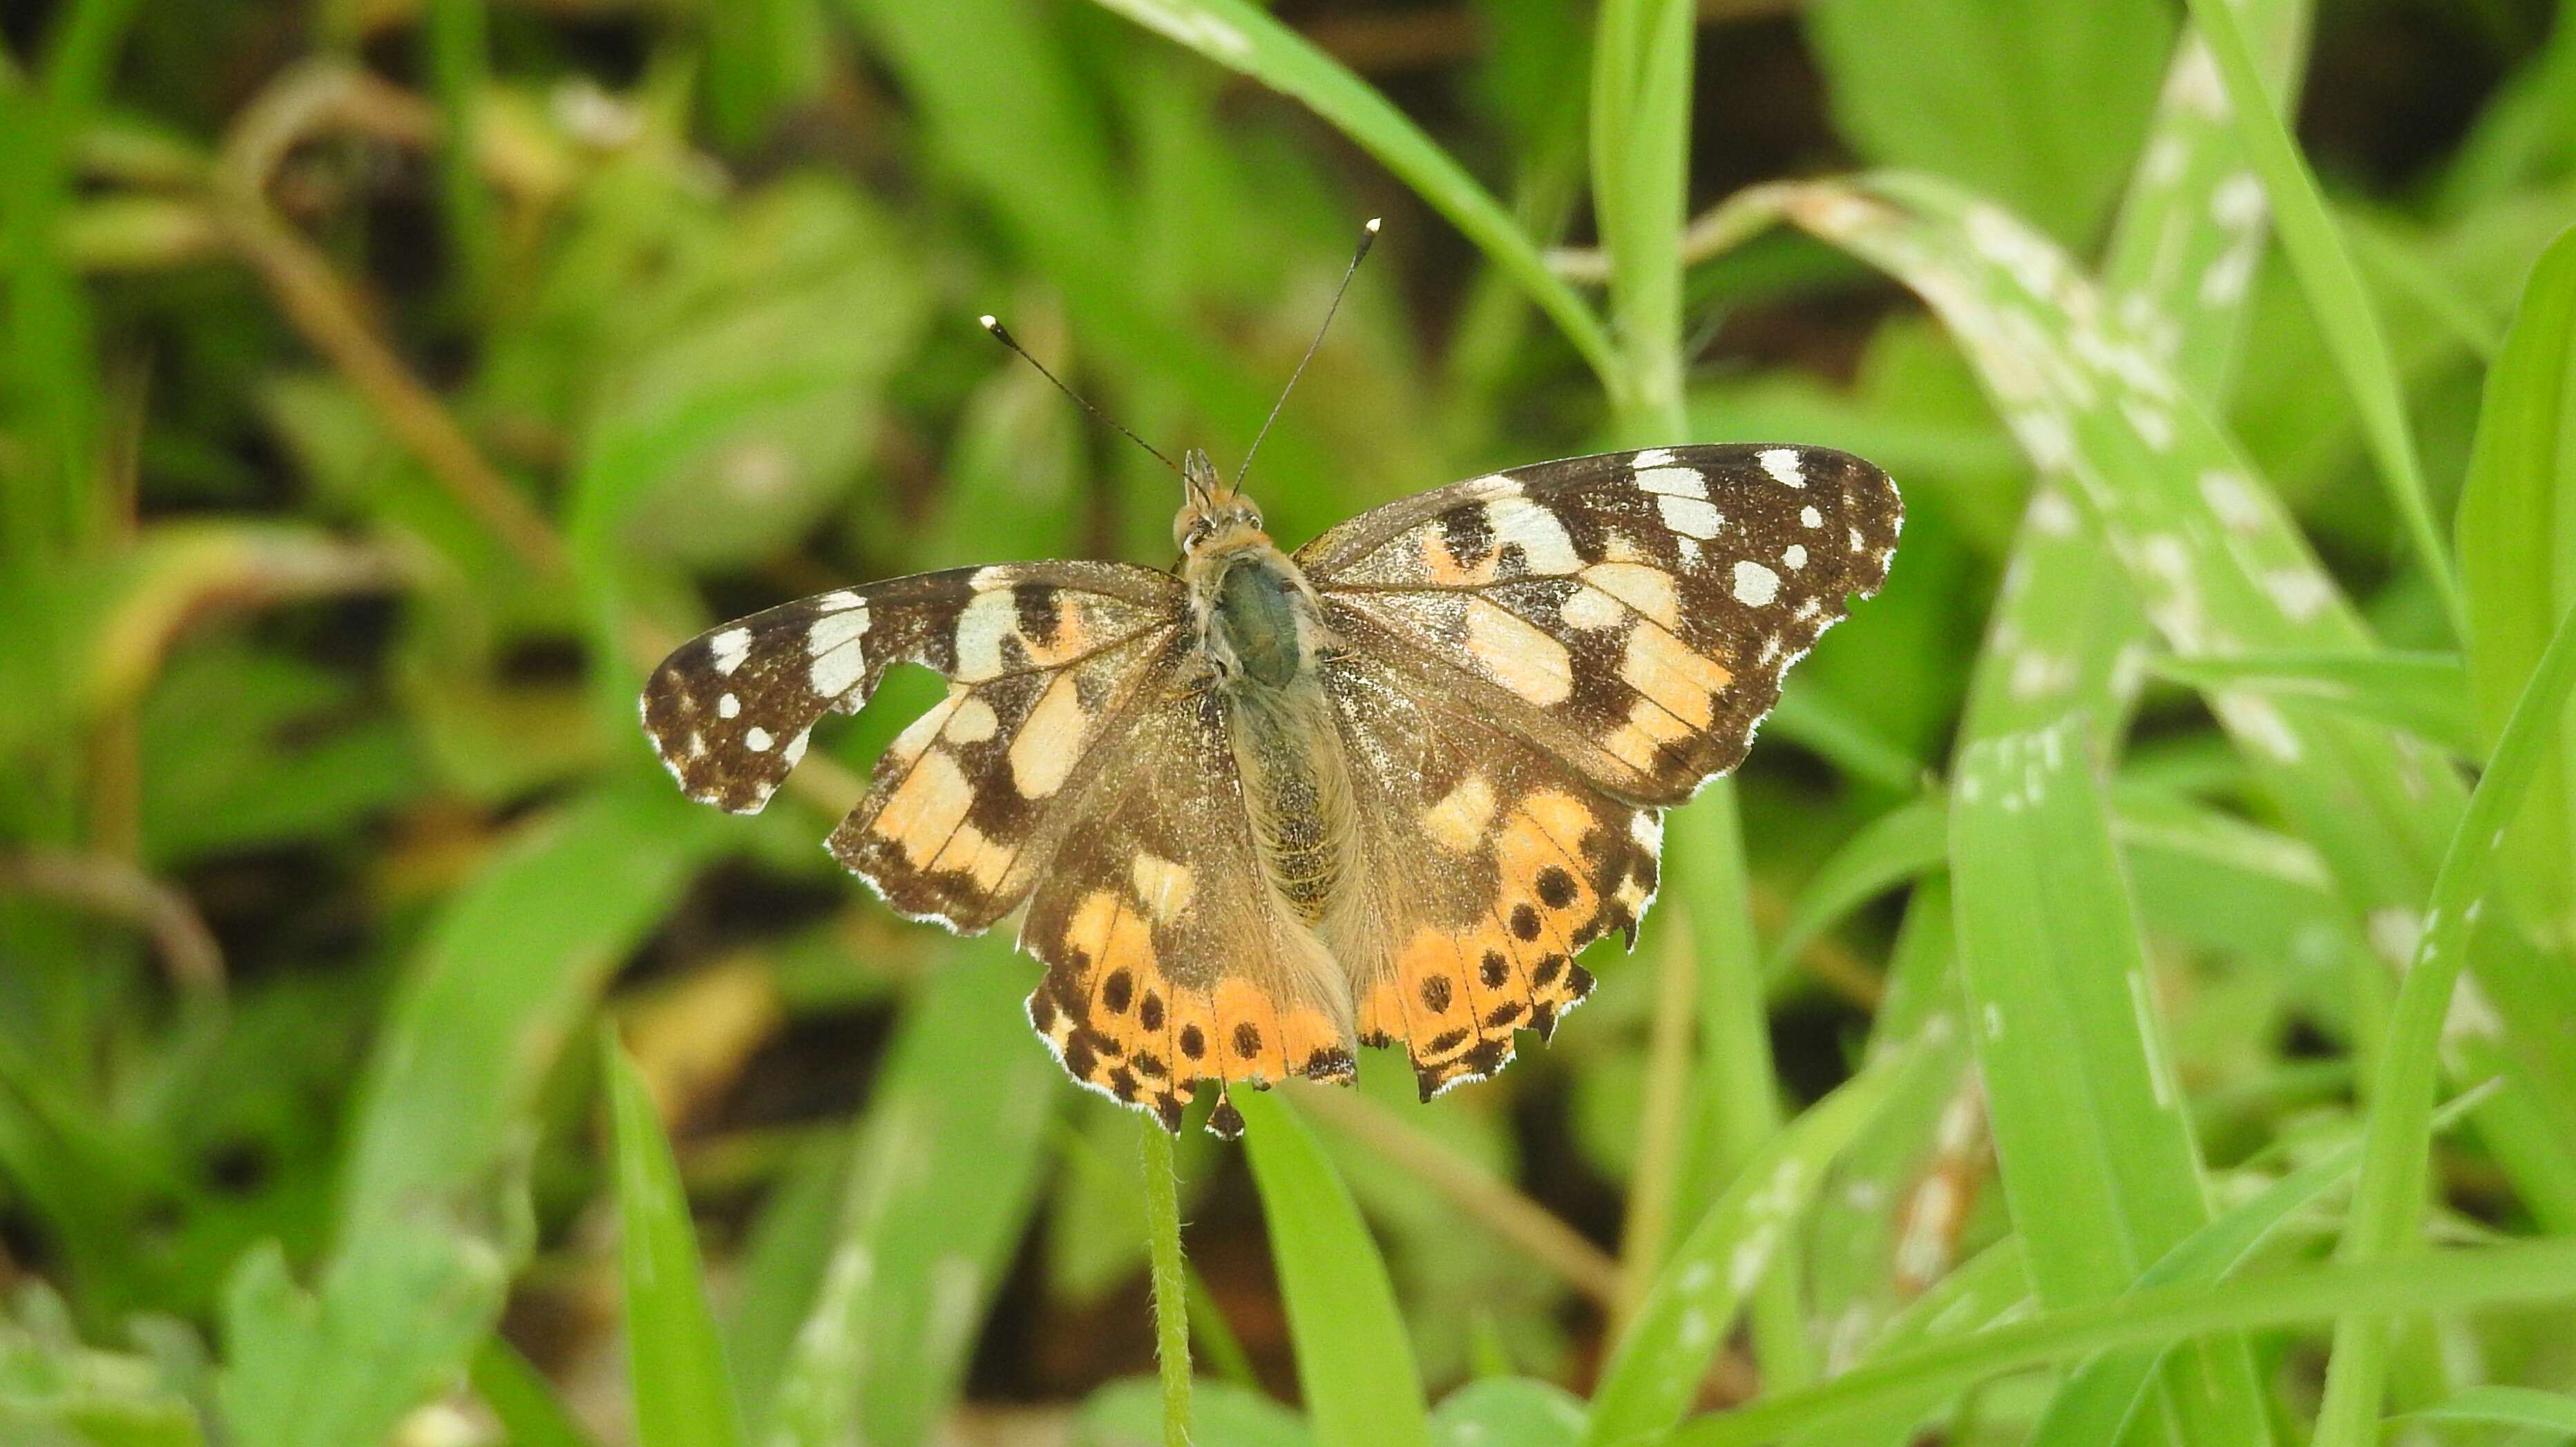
{"points": [[1190, 531]]}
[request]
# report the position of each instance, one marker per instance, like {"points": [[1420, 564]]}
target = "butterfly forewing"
{"points": [[1038, 656], [1630, 613]]}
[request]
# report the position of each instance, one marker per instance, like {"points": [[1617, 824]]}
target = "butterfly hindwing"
{"points": [[1493, 866], [1040, 658], [1631, 613], [1170, 959]]}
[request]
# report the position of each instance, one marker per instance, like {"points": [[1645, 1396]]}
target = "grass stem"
{"points": [[1171, 1280]]}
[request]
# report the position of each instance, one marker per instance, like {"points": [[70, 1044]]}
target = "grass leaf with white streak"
{"points": [[2096, 1153]]}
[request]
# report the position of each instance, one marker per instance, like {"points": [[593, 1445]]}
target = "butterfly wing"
{"points": [[1170, 958], [1530, 664], [1630, 613], [1490, 864], [1046, 664]]}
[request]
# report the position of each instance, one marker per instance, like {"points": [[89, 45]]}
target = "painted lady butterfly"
{"points": [[1278, 806], [1382, 789]]}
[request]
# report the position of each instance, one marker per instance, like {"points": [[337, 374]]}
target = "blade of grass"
{"points": [[2101, 1394], [948, 1165], [1170, 1279], [1641, 89], [2495, 1406], [522, 1400], [2336, 296], [1354, 1359], [459, 70], [507, 973], [2426, 694], [1241, 38], [2067, 637], [2517, 539], [2213, 554], [2389, 1204], [1655, 1371], [2096, 1152], [2456, 1280], [682, 1392]]}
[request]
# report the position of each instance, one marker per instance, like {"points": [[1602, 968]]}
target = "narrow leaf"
{"points": [[683, 1393], [1354, 1359]]}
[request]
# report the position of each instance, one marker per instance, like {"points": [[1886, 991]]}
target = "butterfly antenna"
{"points": [[1368, 238], [1006, 339]]}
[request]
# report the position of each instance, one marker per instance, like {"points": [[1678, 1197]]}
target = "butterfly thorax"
{"points": [[1261, 634]]}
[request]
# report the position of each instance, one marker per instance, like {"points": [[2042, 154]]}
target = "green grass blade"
{"points": [[2212, 552], [1899, 845], [2426, 694], [506, 975], [682, 1392], [1234, 34], [2336, 296], [1641, 91], [458, 36], [2100, 1395], [950, 1157], [2096, 1152], [522, 1400], [2499, 1276], [1676, 1332], [2522, 1407], [2517, 539], [2066, 637], [2388, 1206], [1354, 1358], [2039, 104]]}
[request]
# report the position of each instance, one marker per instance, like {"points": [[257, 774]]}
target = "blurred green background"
{"points": [[388, 382]]}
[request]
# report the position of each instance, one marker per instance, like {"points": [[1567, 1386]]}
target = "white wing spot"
{"points": [[1689, 516], [1673, 482], [1651, 457], [1794, 555], [1755, 585], [840, 661], [729, 648], [1163, 886], [1543, 540], [795, 749], [757, 739], [728, 707], [1590, 609], [1808, 516], [1782, 464]]}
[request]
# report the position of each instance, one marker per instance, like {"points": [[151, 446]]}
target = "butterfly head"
{"points": [[1215, 517]]}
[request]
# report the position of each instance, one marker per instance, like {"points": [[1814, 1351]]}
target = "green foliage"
{"points": [[2130, 985]]}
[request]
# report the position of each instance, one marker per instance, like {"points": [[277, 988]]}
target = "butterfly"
{"points": [[1269, 807]]}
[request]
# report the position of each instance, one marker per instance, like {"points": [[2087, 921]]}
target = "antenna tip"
{"points": [[1374, 223], [988, 322]]}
